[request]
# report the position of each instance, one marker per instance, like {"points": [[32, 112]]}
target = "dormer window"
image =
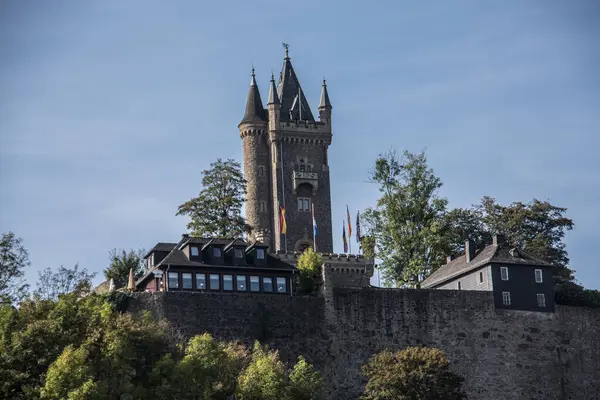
{"points": [[194, 251], [260, 254], [216, 252], [239, 253]]}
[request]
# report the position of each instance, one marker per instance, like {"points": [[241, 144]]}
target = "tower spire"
{"points": [[273, 98], [254, 106], [324, 102]]}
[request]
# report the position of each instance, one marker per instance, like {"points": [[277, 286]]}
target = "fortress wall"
{"points": [[501, 354]]}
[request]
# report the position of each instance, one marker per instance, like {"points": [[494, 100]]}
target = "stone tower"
{"points": [[286, 163]]}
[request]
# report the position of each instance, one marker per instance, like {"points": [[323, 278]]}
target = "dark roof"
{"points": [[273, 97], [287, 90], [161, 247], [501, 254], [255, 111], [324, 102]]}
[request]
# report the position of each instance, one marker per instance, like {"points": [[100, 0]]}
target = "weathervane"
{"points": [[286, 47]]}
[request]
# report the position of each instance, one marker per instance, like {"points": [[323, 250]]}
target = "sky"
{"points": [[110, 110]]}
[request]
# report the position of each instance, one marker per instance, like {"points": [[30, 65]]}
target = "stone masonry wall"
{"points": [[501, 354]]}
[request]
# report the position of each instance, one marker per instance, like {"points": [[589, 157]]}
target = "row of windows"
{"points": [[225, 282], [303, 205], [238, 252], [541, 299], [539, 278]]}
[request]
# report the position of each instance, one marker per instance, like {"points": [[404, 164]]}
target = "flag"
{"points": [[282, 223], [349, 222], [344, 238], [130, 284], [358, 226], [314, 221]]}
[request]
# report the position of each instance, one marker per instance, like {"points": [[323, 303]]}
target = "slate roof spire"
{"points": [[254, 106], [273, 97], [291, 94], [324, 102]]}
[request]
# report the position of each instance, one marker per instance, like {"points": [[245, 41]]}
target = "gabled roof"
{"points": [[161, 247], [500, 254], [287, 90], [255, 111]]}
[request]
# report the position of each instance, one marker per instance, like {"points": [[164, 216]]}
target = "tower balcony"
{"points": [[302, 178]]}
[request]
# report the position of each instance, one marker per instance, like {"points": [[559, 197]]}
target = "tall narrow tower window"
{"points": [[263, 206], [261, 170]]}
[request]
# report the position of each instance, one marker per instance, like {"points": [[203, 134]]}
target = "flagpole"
{"points": [[313, 227], [282, 190]]}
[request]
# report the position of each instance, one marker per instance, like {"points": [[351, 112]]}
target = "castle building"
{"points": [[518, 281], [286, 164]]}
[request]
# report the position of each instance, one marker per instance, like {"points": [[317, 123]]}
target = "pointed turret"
{"points": [[293, 103], [273, 97], [254, 106], [324, 103]]}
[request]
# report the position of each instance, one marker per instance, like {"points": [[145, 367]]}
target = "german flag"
{"points": [[282, 223]]}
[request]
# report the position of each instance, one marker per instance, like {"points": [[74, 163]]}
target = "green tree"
{"points": [[217, 210], [14, 259], [51, 283], [121, 261], [406, 223], [265, 377], [309, 271], [305, 382], [415, 373]]}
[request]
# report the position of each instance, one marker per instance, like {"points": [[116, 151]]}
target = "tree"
{"points": [[217, 210], [13, 261], [52, 284], [309, 271], [121, 261], [415, 373], [264, 378], [305, 382], [406, 223]]}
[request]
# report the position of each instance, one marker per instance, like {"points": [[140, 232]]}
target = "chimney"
{"points": [[469, 250], [498, 239], [449, 258]]}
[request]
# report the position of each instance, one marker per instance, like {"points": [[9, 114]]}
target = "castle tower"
{"points": [[253, 131], [286, 163]]}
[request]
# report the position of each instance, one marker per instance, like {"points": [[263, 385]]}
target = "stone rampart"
{"points": [[501, 354]]}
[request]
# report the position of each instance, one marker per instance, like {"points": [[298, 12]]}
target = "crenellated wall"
{"points": [[501, 354]]}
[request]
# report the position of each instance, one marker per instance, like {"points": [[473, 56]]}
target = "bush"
{"points": [[309, 271], [413, 373], [571, 294]]}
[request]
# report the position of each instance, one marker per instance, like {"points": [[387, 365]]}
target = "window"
{"points": [[254, 284], [260, 254], [200, 281], [267, 284], [194, 250], [281, 285], [239, 253], [541, 300], [308, 168], [227, 282], [538, 276], [481, 277], [186, 280], [302, 168], [214, 281], [504, 273], [303, 204], [261, 170], [263, 206], [458, 285], [241, 283], [173, 280], [506, 298], [217, 252]]}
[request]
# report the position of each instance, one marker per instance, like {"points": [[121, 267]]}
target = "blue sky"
{"points": [[110, 110]]}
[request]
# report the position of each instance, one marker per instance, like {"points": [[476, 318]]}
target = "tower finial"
{"points": [[287, 49], [324, 102]]}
